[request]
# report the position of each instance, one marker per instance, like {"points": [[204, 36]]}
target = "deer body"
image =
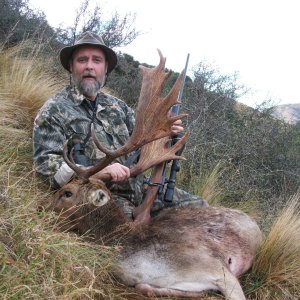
{"points": [[182, 252]]}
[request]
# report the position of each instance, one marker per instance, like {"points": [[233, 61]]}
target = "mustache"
{"points": [[89, 74]]}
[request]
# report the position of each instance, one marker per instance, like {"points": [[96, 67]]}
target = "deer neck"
{"points": [[104, 223]]}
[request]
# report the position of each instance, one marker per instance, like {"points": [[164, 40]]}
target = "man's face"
{"points": [[88, 67]]}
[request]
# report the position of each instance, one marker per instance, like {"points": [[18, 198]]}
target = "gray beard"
{"points": [[89, 89]]}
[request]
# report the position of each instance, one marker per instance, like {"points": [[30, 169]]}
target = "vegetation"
{"points": [[276, 270], [18, 21], [236, 156]]}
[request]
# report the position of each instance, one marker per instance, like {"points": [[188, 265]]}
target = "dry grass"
{"points": [[40, 262], [276, 270], [207, 185], [26, 81]]}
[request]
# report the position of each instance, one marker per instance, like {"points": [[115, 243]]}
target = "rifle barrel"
{"points": [[175, 108]]}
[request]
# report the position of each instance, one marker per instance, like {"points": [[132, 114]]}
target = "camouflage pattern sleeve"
{"points": [[48, 140], [68, 115]]}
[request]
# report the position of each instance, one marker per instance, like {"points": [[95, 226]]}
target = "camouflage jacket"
{"points": [[68, 115]]}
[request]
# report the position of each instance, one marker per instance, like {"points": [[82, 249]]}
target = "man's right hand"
{"points": [[116, 171]]}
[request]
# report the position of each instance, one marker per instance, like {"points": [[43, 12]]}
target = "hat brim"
{"points": [[66, 54]]}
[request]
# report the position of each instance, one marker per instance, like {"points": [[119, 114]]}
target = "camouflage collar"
{"points": [[75, 95]]}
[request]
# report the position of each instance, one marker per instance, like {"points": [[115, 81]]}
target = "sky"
{"points": [[258, 39]]}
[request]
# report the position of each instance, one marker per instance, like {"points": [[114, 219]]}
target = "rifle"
{"points": [[169, 193]]}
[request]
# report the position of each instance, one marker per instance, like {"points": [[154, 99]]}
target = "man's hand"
{"points": [[176, 127], [117, 172]]}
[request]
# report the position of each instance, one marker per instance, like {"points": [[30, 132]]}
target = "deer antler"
{"points": [[153, 122], [157, 152]]}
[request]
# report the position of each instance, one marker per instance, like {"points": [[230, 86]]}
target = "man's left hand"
{"points": [[177, 127]]}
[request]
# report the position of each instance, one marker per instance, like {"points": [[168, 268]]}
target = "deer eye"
{"points": [[67, 194]]}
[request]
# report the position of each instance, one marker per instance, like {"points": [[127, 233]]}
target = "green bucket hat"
{"points": [[88, 38]]}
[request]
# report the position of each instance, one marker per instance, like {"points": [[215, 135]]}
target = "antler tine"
{"points": [[84, 172], [152, 154], [78, 170]]}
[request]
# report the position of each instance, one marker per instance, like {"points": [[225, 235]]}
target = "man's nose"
{"points": [[89, 64]]}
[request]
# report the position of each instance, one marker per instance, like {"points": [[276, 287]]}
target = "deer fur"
{"points": [[182, 252]]}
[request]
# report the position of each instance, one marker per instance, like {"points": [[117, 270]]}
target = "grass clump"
{"points": [[26, 81], [276, 270]]}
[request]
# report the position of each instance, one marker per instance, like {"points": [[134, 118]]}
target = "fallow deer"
{"points": [[181, 251]]}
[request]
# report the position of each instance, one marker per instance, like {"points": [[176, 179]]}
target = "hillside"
{"points": [[289, 113]]}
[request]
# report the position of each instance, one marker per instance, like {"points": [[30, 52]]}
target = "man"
{"points": [[68, 115]]}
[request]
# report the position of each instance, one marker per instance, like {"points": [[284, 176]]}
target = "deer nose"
{"points": [[98, 197]]}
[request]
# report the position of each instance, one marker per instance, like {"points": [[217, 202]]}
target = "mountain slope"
{"points": [[289, 113]]}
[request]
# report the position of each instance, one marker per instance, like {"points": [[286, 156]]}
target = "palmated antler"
{"points": [[153, 122], [157, 152]]}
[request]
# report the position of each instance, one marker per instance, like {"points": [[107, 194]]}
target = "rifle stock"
{"points": [[175, 167]]}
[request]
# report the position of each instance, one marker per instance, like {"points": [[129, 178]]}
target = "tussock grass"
{"points": [[26, 81], [276, 271], [209, 187], [40, 262], [205, 185]]}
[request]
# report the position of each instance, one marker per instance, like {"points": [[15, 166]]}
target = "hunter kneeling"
{"points": [[69, 114]]}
